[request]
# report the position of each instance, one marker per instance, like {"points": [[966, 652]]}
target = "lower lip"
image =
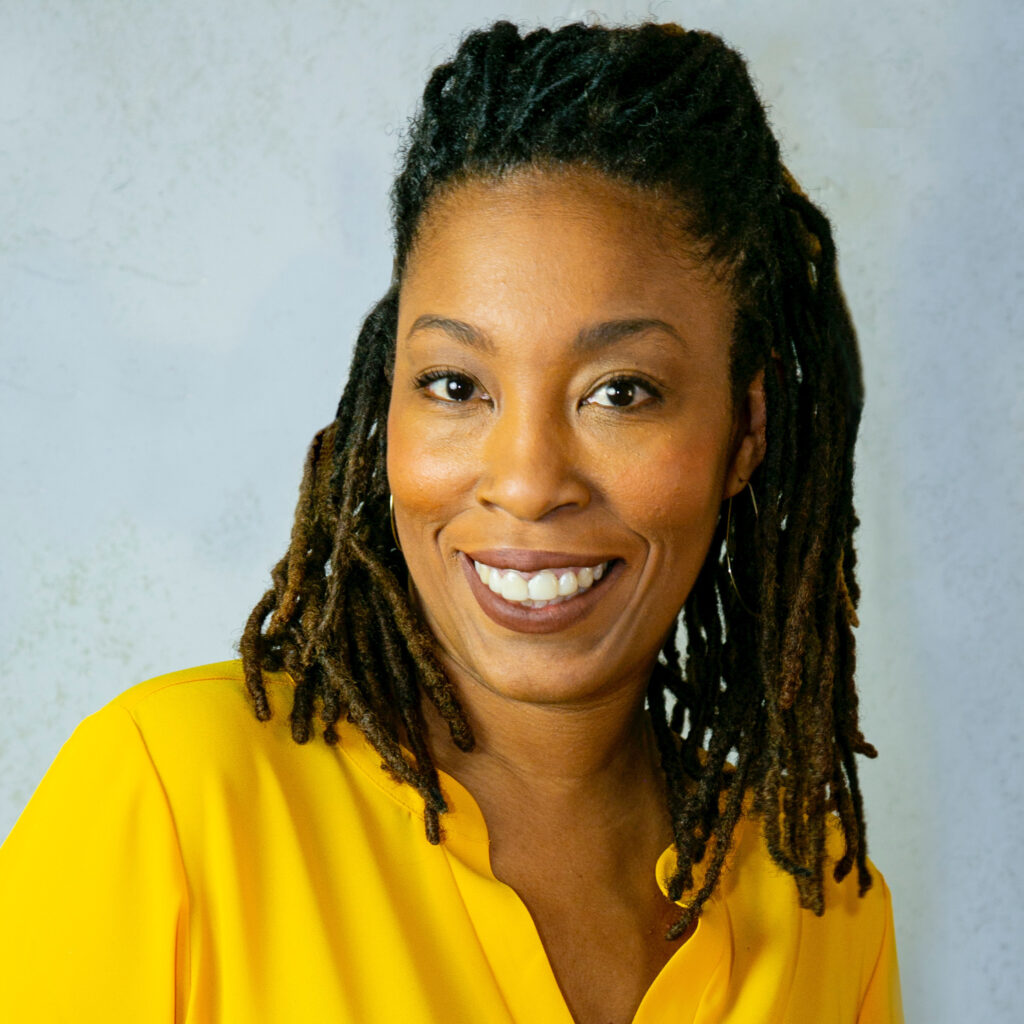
{"points": [[549, 619]]}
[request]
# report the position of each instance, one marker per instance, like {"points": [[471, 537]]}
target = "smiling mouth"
{"points": [[514, 593], [541, 588]]}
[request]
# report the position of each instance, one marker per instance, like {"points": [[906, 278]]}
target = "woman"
{"points": [[614, 382]]}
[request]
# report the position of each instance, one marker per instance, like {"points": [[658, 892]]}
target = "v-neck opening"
{"points": [[694, 963], [511, 940]]}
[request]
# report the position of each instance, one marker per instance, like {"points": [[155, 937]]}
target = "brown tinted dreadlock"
{"points": [[766, 695]]}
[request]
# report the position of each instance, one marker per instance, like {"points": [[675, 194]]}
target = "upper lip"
{"points": [[528, 560]]}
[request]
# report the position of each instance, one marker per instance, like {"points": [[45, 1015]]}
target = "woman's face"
{"points": [[561, 433]]}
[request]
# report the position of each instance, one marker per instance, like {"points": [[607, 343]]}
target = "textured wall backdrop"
{"points": [[193, 220]]}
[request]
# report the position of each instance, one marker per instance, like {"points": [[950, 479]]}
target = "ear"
{"points": [[749, 439]]}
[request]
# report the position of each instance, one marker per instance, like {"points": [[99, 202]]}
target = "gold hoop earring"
{"points": [[728, 541], [391, 516]]}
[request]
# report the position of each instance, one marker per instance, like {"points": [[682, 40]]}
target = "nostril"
{"points": [[530, 465], [534, 499]]}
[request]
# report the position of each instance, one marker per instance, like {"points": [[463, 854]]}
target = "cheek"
{"points": [[673, 489], [427, 469]]}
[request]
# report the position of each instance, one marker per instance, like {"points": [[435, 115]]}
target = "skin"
{"points": [[623, 448]]}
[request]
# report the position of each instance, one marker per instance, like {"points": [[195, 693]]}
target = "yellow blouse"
{"points": [[184, 862]]}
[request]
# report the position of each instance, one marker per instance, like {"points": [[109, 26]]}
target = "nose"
{"points": [[531, 464]]}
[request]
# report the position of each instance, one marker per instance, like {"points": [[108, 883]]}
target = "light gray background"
{"points": [[193, 220]]}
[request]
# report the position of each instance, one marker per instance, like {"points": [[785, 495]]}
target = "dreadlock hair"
{"points": [[765, 702]]}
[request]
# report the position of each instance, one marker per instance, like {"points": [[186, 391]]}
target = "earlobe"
{"points": [[751, 440]]}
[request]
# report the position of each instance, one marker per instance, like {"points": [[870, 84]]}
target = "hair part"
{"points": [[764, 702]]}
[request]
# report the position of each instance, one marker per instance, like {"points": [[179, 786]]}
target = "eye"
{"points": [[621, 393], [449, 386]]}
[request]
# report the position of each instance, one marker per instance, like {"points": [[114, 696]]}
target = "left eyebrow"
{"points": [[598, 336]]}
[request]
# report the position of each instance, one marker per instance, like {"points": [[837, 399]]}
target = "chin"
{"points": [[527, 679]]}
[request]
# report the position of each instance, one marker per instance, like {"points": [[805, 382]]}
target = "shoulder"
{"points": [[186, 740], [198, 712], [198, 725], [218, 688], [755, 877], [848, 950], [167, 735], [213, 756]]}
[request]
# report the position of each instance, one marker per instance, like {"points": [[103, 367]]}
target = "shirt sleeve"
{"points": [[93, 898], [882, 1003]]}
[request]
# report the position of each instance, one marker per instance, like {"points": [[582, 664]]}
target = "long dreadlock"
{"points": [[765, 702]]}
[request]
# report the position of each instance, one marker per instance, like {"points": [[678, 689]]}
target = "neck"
{"points": [[585, 768]]}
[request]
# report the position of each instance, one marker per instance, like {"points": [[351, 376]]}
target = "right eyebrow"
{"points": [[459, 330]]}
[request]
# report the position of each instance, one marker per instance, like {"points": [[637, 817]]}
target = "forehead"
{"points": [[555, 250], [591, 199]]}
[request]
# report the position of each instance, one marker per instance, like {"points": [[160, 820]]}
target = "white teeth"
{"points": [[568, 584], [543, 586], [514, 587], [539, 589]]}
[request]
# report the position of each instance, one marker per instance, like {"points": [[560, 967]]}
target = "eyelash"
{"points": [[425, 380], [633, 382]]}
